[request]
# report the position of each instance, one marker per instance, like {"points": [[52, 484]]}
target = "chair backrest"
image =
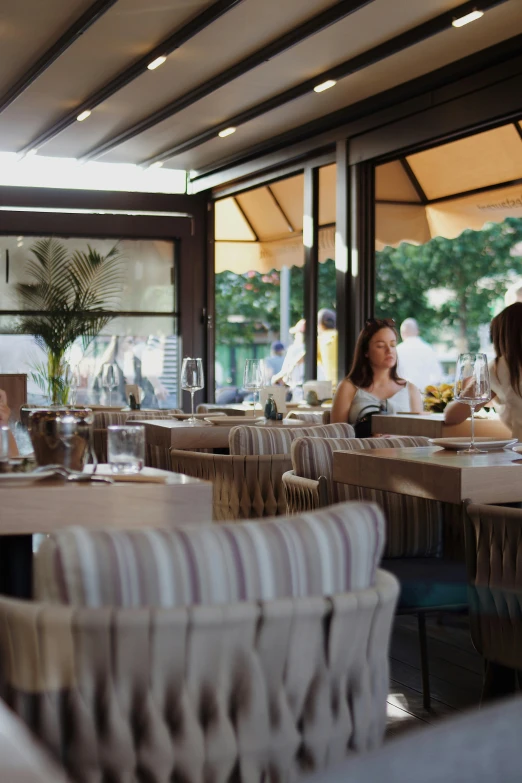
{"points": [[278, 440], [331, 551], [244, 487], [414, 525], [249, 691], [494, 564]]}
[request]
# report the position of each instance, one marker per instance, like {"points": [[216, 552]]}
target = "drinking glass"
{"points": [[472, 386], [110, 378], [126, 448], [71, 379], [4, 444], [192, 380], [253, 378]]}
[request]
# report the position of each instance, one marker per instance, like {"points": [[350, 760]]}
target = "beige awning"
{"points": [[439, 192], [450, 188]]}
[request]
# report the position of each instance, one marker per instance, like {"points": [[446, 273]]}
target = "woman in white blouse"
{"points": [[505, 372]]}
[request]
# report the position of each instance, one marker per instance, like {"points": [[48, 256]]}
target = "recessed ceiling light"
{"points": [[83, 116], [156, 63], [157, 165], [226, 132], [467, 19], [325, 85]]}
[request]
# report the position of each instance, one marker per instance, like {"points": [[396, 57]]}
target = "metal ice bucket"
{"points": [[61, 436]]}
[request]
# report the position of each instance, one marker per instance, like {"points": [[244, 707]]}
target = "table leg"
{"points": [[16, 566]]}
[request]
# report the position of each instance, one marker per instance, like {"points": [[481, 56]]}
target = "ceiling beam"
{"points": [[138, 67], [394, 45], [280, 208], [518, 129], [88, 18], [340, 10]]}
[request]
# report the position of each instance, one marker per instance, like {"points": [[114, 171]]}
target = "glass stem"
{"points": [[192, 403], [254, 408], [472, 444], [110, 397]]}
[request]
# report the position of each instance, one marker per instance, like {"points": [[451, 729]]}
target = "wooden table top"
{"points": [[438, 474], [182, 435], [431, 425], [44, 506]]}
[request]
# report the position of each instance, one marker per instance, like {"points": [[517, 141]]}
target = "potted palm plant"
{"points": [[69, 296]]}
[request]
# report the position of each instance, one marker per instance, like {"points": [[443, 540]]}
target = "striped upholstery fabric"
{"points": [[321, 553], [278, 440], [414, 525]]}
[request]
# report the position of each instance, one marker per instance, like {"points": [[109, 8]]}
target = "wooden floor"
{"points": [[455, 672]]}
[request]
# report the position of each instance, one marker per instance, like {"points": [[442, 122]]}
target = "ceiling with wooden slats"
{"points": [[172, 115]]}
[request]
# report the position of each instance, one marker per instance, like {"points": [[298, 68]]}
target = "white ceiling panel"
{"points": [[213, 50], [126, 32], [34, 21], [409, 64], [347, 38]]}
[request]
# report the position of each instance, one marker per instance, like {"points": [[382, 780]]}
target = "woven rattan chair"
{"points": [[430, 582], [311, 417], [244, 486], [494, 565]]}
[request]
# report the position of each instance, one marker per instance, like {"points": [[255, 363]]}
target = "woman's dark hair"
{"points": [[506, 336], [361, 373]]}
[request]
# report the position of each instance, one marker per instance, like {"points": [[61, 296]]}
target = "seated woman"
{"points": [[505, 372], [5, 413], [373, 378]]}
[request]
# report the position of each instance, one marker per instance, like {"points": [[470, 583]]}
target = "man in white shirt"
{"points": [[417, 361]]}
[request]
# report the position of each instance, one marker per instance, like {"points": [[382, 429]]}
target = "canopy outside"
{"points": [[439, 192]]}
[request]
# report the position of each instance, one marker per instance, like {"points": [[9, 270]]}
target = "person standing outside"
{"points": [[327, 342], [417, 361], [274, 362]]}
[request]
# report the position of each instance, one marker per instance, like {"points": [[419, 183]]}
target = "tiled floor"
{"points": [[455, 672]]}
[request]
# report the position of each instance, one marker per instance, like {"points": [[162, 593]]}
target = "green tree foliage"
{"points": [[472, 270]]}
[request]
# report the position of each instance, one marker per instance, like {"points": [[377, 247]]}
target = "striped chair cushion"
{"points": [[278, 440], [414, 525], [321, 553]]}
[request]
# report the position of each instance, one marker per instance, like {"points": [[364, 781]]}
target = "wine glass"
{"points": [[110, 378], [253, 378], [71, 380], [192, 380], [472, 386]]}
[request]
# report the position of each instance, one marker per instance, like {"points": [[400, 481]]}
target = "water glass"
{"points": [[254, 378], [472, 386], [110, 378], [126, 448], [192, 380], [4, 443]]}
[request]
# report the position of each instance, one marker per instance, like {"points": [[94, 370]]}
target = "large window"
{"points": [[142, 341], [449, 240]]}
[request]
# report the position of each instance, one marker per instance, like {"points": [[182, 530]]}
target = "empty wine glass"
{"points": [[192, 380], [253, 378], [110, 378], [472, 386], [71, 381]]}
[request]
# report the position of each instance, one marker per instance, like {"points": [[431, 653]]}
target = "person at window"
{"points": [[373, 378], [274, 362], [121, 352], [5, 414], [505, 373], [292, 368], [327, 342], [418, 361]]}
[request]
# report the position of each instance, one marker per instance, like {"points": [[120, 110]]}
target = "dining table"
{"points": [[431, 425], [434, 473], [38, 504], [164, 434]]}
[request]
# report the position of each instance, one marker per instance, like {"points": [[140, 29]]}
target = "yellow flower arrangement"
{"points": [[437, 397]]}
